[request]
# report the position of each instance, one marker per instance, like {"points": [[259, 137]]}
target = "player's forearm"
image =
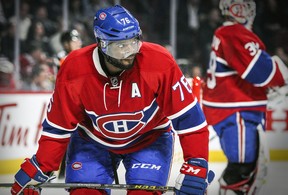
{"points": [[195, 145], [50, 153]]}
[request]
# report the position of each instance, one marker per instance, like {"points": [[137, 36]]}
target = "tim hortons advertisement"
{"points": [[21, 116]]}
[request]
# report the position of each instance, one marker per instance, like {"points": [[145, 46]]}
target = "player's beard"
{"points": [[123, 64]]}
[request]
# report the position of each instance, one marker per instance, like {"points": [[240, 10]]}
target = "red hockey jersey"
{"points": [[239, 73], [123, 113]]}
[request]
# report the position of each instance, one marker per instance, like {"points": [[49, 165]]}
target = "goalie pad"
{"points": [[256, 179]]}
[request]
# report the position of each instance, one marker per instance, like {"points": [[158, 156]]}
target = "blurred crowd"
{"points": [[41, 28]]}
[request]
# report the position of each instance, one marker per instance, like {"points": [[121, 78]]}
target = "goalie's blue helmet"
{"points": [[114, 24]]}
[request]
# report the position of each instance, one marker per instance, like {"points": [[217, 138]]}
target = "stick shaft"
{"points": [[98, 186]]}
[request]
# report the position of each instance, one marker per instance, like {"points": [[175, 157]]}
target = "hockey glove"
{"points": [[29, 174], [194, 177]]}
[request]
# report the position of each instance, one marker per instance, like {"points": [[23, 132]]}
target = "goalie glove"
{"points": [[29, 174], [277, 97], [194, 177]]}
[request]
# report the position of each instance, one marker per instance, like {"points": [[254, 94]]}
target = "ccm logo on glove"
{"points": [[193, 170]]}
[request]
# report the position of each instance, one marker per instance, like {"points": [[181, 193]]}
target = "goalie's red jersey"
{"points": [[239, 73], [123, 113]]}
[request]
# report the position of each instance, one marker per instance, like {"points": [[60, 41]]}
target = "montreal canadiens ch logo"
{"points": [[76, 165], [102, 16], [120, 126]]}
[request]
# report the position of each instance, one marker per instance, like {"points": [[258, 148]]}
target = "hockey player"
{"points": [[70, 40], [234, 97], [121, 96]]}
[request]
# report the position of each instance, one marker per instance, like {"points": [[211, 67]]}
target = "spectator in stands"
{"points": [[31, 58], [7, 41], [197, 71], [41, 79], [6, 74], [25, 20], [41, 15], [37, 36], [54, 40]]}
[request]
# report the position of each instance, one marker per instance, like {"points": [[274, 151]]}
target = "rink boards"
{"points": [[21, 115]]}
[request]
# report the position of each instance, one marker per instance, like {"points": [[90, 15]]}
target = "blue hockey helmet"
{"points": [[114, 24], [117, 32]]}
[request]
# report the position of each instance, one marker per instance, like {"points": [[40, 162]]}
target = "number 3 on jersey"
{"points": [[178, 87]]}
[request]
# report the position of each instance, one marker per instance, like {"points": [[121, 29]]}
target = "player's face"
{"points": [[122, 53], [77, 44]]}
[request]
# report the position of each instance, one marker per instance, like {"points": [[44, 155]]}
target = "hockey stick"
{"points": [[98, 186]]}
